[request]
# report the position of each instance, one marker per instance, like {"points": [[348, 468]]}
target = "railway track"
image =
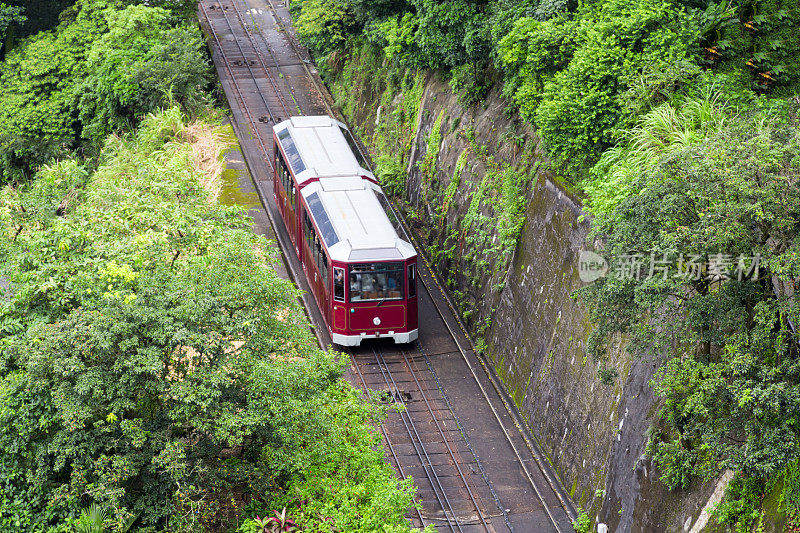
{"points": [[425, 439], [428, 440]]}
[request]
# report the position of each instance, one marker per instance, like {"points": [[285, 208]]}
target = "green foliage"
{"points": [[567, 73], [92, 520], [84, 78], [532, 53], [392, 174], [9, 14], [397, 35], [790, 494], [322, 25], [470, 83], [38, 80], [665, 130], [139, 64], [582, 524], [580, 72], [444, 26], [729, 384], [428, 166], [740, 508], [455, 181], [367, 11], [153, 363]]}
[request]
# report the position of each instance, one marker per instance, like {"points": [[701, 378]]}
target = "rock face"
{"points": [[517, 300]]}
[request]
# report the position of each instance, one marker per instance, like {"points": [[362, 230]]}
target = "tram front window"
{"points": [[376, 281]]}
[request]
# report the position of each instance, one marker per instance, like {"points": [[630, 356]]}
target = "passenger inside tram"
{"points": [[376, 281]]}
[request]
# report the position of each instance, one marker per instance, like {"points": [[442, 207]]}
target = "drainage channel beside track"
{"points": [[455, 432]]}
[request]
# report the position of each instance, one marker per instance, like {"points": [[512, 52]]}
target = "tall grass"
{"points": [[667, 129]]}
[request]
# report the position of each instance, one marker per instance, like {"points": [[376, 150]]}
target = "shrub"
{"points": [[140, 64], [153, 363]]}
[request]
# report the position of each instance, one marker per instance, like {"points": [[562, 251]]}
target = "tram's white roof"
{"points": [[319, 146], [357, 228]]}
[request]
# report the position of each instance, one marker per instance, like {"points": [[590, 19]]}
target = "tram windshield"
{"points": [[376, 281]]}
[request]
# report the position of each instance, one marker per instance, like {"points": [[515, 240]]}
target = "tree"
{"points": [[63, 90], [720, 222], [138, 65], [37, 82], [9, 15], [323, 25]]}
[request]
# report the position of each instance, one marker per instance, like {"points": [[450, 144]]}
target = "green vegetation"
{"points": [[105, 66], [428, 165], [143, 372], [727, 328], [677, 122], [155, 373], [9, 17], [579, 71], [140, 63], [582, 524]]}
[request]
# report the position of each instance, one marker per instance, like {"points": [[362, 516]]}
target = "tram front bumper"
{"points": [[355, 340]]}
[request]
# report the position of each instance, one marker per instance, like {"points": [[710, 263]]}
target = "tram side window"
{"points": [[317, 251], [338, 284], [325, 269], [376, 281], [321, 259], [308, 230], [412, 281], [286, 181]]}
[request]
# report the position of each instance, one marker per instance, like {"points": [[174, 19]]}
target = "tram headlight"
{"points": [[376, 321]]}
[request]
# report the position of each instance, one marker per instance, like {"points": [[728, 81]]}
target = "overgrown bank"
{"points": [[155, 373], [626, 98], [163, 371]]}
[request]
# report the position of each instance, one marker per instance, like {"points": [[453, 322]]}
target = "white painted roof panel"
{"points": [[321, 144], [362, 228]]}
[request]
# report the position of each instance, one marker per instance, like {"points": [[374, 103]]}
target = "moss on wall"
{"points": [[505, 236]]}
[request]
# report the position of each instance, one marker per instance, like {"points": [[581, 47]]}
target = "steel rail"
{"points": [[484, 475], [235, 83], [252, 75], [444, 439], [282, 28], [413, 433], [383, 430], [264, 67], [296, 46], [273, 56]]}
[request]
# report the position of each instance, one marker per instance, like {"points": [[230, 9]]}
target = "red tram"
{"points": [[362, 274]]}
